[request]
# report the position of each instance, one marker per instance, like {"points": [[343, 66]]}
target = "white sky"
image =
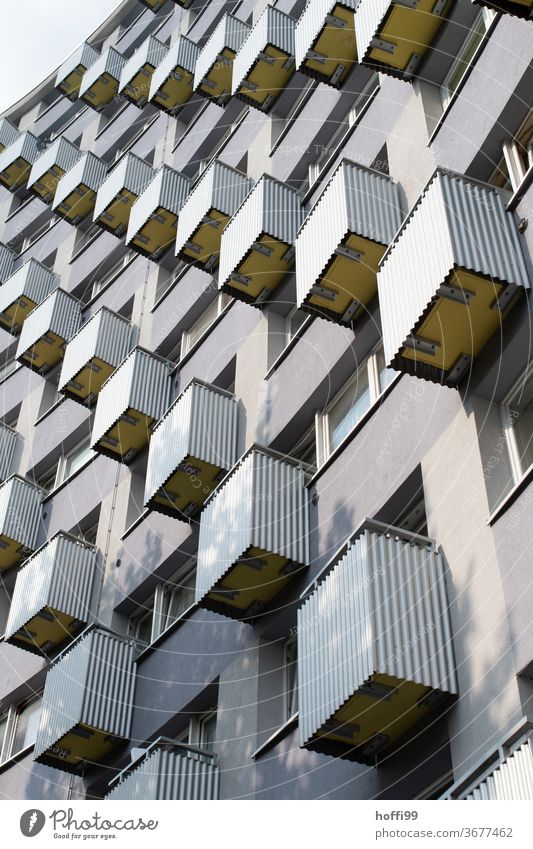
{"points": [[37, 35]]}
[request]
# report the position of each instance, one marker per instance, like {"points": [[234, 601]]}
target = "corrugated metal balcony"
{"points": [[7, 262], [154, 215], [129, 404], [204, 215], [101, 80], [257, 248], [342, 241], [87, 702], [324, 40], [172, 80], [519, 8], [76, 191], [47, 329], [17, 159], [93, 354], [22, 292], [20, 515], [137, 73], [375, 654], [53, 599], [167, 770], [214, 64], [70, 73], [8, 445], [265, 63], [51, 165], [118, 193], [8, 133], [510, 778], [449, 278], [192, 448], [254, 535], [394, 35]]}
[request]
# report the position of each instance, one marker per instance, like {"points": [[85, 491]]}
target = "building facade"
{"points": [[266, 406]]}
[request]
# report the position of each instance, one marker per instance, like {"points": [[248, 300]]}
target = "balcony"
{"points": [[8, 446], [76, 192], [167, 770], [507, 776], [324, 40], [7, 262], [47, 330], [344, 237], [520, 8], [22, 292], [17, 159], [8, 133], [191, 450], [257, 247], [20, 515], [129, 404], [93, 354], [51, 165], [154, 215], [203, 217], [118, 193], [449, 279], [393, 35], [70, 74], [53, 599], [375, 655], [137, 73], [100, 82], [265, 63], [87, 702], [254, 535], [172, 80], [214, 65]]}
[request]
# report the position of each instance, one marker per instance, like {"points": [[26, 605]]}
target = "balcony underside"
{"points": [[101, 92], [186, 491], [129, 435], [138, 89], [174, 92], [11, 552], [16, 174], [265, 81], [156, 236], [70, 86], [83, 745], [86, 384], [217, 82], [116, 215], [263, 271], [44, 354], [203, 248], [46, 630], [45, 187], [78, 204], [15, 315], [335, 48], [407, 34]]}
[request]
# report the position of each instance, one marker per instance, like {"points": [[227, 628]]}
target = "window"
{"points": [[112, 272], [517, 157], [466, 54], [207, 731], [518, 424], [74, 460], [31, 238], [280, 126], [8, 368], [290, 676], [89, 534], [293, 322], [168, 603], [48, 480], [305, 448], [191, 336], [18, 727]]}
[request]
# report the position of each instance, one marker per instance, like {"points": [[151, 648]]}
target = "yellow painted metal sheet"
{"points": [[71, 84], [337, 44], [129, 436], [78, 205], [118, 212], [139, 87], [102, 91], [11, 552], [16, 314], [185, 486], [208, 237], [177, 92], [220, 75], [39, 631], [91, 381], [411, 30], [73, 748], [264, 271], [269, 79], [350, 279], [47, 184], [16, 175], [252, 584], [45, 354], [159, 234]]}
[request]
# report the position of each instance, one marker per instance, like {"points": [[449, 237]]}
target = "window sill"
{"points": [[135, 524], [13, 759], [20, 208], [15, 370], [275, 738], [40, 236], [112, 120], [68, 480], [204, 335], [289, 346], [291, 117], [50, 410], [519, 193], [92, 300], [84, 247], [179, 276], [511, 496], [164, 634]]}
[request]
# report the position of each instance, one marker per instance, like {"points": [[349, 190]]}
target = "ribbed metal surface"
{"points": [[92, 682], [131, 173], [111, 62], [88, 171], [20, 511], [370, 14], [85, 55], [169, 189], [106, 335], [26, 146], [61, 153], [272, 27], [33, 280], [59, 313], [511, 780], [356, 200], [455, 223], [222, 188], [311, 22], [263, 503], [230, 33], [203, 422], [60, 576], [142, 382], [8, 445], [7, 261], [151, 52], [382, 609], [165, 774], [182, 54], [8, 132]]}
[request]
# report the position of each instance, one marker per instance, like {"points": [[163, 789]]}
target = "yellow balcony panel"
{"points": [[214, 65], [172, 82], [20, 515], [153, 5], [50, 167], [8, 133], [154, 215], [70, 74], [136, 75], [22, 292], [267, 78], [261, 271], [325, 43], [16, 161], [47, 330], [119, 191], [101, 81], [75, 195]]}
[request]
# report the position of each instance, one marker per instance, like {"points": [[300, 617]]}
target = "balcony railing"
{"points": [[342, 241], [20, 515], [137, 73], [519, 8], [76, 191], [47, 330], [509, 776], [51, 165], [257, 248], [172, 80], [7, 262], [8, 445], [449, 278], [8, 133], [17, 159], [54, 595], [375, 655], [100, 82], [119, 191], [214, 64], [70, 74], [324, 40], [22, 292], [154, 215]]}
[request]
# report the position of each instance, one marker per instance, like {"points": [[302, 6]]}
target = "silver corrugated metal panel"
{"points": [[311, 22], [33, 280], [356, 200], [92, 682], [272, 27], [110, 62], [382, 609], [151, 52], [370, 14], [88, 171], [131, 173], [106, 335], [8, 444], [7, 261], [169, 189], [511, 780], [203, 422], [164, 773], [26, 146], [456, 222], [85, 55], [182, 54], [59, 576], [262, 503], [61, 153], [59, 313], [220, 187], [230, 33], [8, 132], [20, 511], [142, 382]]}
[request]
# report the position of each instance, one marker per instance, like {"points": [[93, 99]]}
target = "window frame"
{"points": [[518, 471], [486, 16], [222, 301], [158, 604], [290, 678], [12, 718]]}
